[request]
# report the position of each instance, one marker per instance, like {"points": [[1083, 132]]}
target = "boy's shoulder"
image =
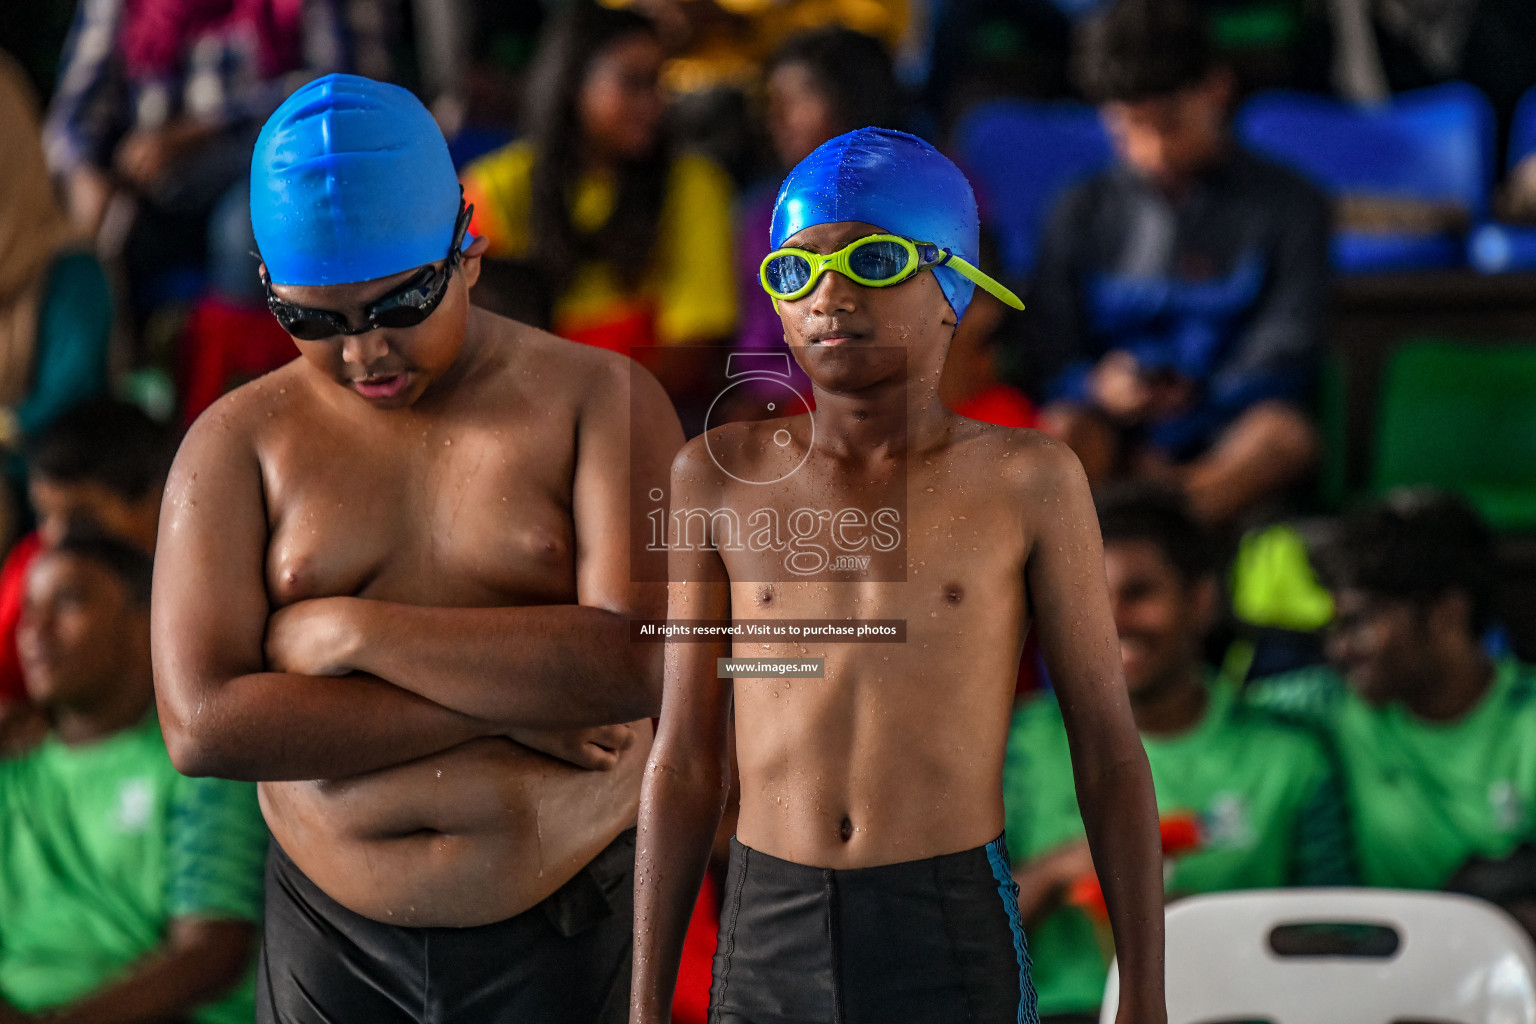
{"points": [[522, 351], [238, 417], [1023, 460]]}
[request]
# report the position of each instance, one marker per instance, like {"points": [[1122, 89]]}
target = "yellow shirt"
{"points": [[689, 295]]}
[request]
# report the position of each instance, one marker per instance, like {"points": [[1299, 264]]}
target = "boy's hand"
{"points": [[595, 749], [312, 638]]}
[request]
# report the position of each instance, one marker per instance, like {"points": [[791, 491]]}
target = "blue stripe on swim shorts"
{"points": [[997, 856]]}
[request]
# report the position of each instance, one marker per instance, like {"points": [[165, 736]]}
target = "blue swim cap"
{"points": [[890, 179], [351, 181]]}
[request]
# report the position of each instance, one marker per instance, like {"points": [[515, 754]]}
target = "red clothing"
{"points": [[1000, 404], [13, 590], [690, 1000], [224, 346], [157, 35]]}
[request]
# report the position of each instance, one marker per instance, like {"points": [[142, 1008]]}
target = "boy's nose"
{"points": [[363, 349], [834, 293]]}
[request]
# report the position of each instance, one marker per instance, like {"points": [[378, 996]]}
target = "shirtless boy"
{"points": [[868, 880], [389, 576]]}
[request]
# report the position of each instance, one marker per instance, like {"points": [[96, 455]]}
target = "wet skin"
{"points": [[897, 753], [390, 570]]}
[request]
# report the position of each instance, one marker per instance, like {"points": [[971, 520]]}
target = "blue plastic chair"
{"points": [[1522, 130], [1434, 144], [1022, 155], [1494, 247]]}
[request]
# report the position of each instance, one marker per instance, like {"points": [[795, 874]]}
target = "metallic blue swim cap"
{"points": [[890, 179], [351, 181]]}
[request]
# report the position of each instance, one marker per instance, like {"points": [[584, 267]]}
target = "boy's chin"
{"points": [[851, 365]]}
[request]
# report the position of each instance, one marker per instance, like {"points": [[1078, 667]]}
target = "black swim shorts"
{"points": [[936, 941], [565, 960]]}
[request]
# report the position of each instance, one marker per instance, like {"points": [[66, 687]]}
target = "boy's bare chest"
{"points": [[458, 514], [926, 553]]}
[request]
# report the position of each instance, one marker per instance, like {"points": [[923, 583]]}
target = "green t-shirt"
{"points": [[1264, 793], [1424, 796], [101, 845]]}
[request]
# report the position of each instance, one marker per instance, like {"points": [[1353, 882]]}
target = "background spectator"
{"points": [[55, 306], [1433, 734], [623, 241], [102, 463], [159, 102], [1246, 801], [1183, 290], [128, 892], [819, 85]]}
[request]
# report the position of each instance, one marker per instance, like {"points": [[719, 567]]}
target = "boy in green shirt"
{"points": [[1259, 797], [1437, 741], [127, 891]]}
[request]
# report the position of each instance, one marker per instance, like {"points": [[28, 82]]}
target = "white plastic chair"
{"points": [[1457, 959]]}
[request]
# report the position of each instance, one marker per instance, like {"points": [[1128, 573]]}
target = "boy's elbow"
{"points": [[192, 755], [193, 742]]}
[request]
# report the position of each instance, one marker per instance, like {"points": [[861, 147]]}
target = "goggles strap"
{"points": [[981, 280]]}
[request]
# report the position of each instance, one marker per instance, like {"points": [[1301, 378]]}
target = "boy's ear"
{"points": [[469, 260]]}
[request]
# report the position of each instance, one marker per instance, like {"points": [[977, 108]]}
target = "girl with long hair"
{"points": [[628, 240]]}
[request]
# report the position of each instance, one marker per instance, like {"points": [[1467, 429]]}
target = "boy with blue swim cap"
{"points": [[377, 563], [868, 878]]}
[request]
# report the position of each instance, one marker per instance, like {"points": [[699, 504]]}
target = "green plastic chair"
{"points": [[1462, 416]]}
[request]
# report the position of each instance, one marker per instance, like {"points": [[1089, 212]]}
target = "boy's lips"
{"points": [[385, 386]]}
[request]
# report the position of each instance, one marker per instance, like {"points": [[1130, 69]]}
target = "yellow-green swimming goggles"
{"points": [[875, 261]]}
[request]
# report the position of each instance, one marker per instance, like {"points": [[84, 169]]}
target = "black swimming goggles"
{"points": [[406, 306]]}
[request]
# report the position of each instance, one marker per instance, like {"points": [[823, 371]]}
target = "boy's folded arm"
{"points": [[222, 712]]}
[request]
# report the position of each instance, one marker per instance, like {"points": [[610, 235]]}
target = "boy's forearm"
{"points": [[1120, 815], [547, 666], [679, 814], [272, 726]]}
